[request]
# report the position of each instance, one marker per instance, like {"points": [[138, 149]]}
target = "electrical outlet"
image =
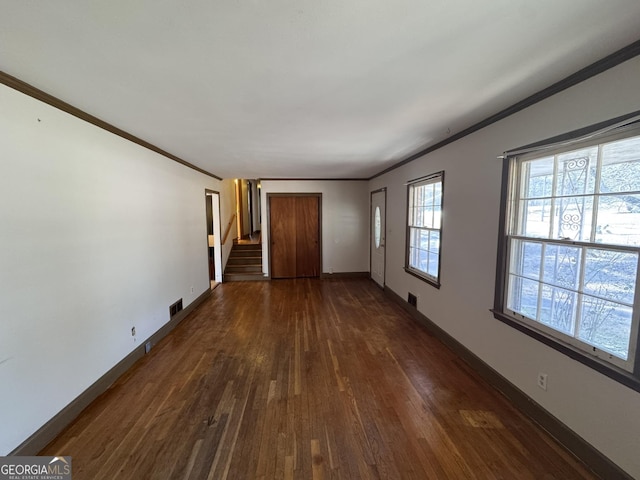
{"points": [[133, 331], [191, 289], [542, 380]]}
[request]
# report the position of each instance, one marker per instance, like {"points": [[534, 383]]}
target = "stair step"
{"points": [[249, 246], [246, 253], [244, 261], [244, 277], [256, 268]]}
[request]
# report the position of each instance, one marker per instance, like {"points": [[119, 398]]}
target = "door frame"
{"points": [[297, 194], [239, 208], [217, 232], [372, 233]]}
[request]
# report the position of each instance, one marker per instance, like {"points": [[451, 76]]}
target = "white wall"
{"points": [[97, 235], [603, 412], [255, 198], [345, 221]]}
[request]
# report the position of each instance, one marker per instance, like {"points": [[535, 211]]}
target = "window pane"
{"points": [[427, 218], [572, 218], [423, 195], [414, 237], [536, 218], [621, 166], [423, 260], [558, 308], [434, 241], [376, 227], [523, 296], [432, 268], [416, 219], [537, 178], [414, 257], [526, 258], [437, 217], [427, 194], [618, 221], [606, 325], [576, 172], [437, 193], [561, 266], [424, 240], [611, 275], [419, 216], [417, 196]]}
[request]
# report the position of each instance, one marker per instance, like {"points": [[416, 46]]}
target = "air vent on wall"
{"points": [[175, 308], [413, 300]]}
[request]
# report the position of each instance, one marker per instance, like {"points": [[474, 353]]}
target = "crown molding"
{"points": [[606, 63], [38, 94]]}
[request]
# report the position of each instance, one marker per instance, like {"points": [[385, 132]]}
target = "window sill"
{"points": [[424, 278], [611, 371]]}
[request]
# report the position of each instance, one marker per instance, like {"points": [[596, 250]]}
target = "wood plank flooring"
{"points": [[305, 379]]}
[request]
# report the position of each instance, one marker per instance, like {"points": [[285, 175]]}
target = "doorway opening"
{"points": [[248, 209], [245, 259]]}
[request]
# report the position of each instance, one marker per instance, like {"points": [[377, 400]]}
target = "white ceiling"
{"points": [[305, 88]]}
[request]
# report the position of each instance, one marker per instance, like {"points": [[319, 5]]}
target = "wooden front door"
{"points": [[294, 235]]}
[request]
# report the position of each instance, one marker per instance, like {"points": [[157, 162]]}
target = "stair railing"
{"points": [[228, 229]]}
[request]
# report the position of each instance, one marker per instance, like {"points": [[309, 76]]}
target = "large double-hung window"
{"points": [[571, 246]]}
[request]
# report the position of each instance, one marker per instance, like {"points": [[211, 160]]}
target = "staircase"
{"points": [[245, 263]]}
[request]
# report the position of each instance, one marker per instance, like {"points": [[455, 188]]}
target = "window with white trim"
{"points": [[572, 245], [424, 226]]}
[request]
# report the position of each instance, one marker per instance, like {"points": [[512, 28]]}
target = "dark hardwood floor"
{"points": [[306, 379]]}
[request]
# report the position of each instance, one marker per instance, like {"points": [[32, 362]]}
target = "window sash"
{"points": [[428, 254], [581, 296]]}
